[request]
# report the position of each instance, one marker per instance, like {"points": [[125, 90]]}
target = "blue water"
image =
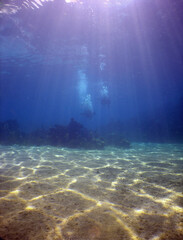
{"points": [[100, 62], [91, 119]]}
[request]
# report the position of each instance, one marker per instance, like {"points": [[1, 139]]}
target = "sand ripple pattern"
{"points": [[49, 193]]}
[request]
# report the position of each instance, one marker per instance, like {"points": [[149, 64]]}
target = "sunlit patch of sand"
{"points": [[27, 225], [63, 204], [66, 194], [9, 206], [99, 223], [33, 189]]}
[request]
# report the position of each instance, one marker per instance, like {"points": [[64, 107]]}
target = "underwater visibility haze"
{"points": [[91, 119]]}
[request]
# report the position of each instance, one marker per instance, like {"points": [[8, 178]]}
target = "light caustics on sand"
{"points": [[77, 194]]}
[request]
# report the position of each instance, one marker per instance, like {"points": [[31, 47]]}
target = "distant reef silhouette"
{"points": [[73, 135]]}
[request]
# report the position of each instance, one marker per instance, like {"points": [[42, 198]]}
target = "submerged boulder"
{"points": [[74, 135]]}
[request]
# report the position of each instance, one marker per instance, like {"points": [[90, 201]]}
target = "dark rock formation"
{"points": [[73, 135]]}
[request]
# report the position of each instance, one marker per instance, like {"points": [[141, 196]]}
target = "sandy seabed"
{"points": [[49, 193]]}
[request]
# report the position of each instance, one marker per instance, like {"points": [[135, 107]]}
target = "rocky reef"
{"points": [[73, 135]]}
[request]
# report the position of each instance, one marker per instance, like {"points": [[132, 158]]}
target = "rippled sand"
{"points": [[63, 194]]}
